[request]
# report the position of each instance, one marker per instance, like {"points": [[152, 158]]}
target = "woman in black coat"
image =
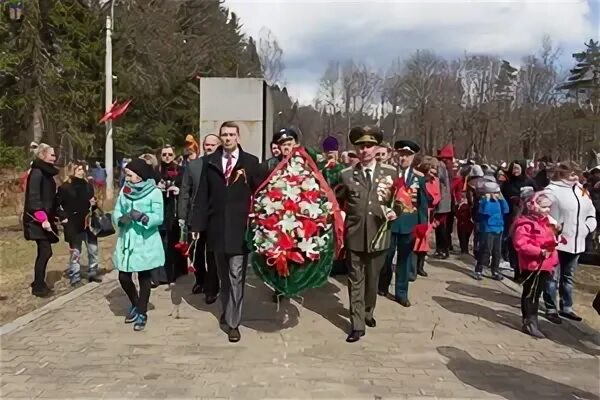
{"points": [[39, 214], [75, 201]]}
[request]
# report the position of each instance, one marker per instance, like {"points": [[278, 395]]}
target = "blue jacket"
{"points": [[491, 215]]}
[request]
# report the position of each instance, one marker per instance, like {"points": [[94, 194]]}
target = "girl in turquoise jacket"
{"points": [[138, 213]]}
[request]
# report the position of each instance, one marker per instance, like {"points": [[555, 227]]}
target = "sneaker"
{"points": [[497, 277], [477, 276], [140, 322], [94, 278], [132, 315]]}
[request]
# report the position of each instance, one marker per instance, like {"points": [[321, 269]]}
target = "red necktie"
{"points": [[228, 167]]}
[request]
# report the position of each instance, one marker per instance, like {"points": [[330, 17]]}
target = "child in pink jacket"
{"points": [[535, 240]]}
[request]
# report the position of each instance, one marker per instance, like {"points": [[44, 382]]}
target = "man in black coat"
{"points": [[229, 178], [207, 280]]}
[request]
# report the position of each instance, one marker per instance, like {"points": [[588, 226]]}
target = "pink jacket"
{"points": [[531, 235]]}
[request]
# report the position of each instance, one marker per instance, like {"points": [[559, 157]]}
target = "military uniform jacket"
{"points": [[364, 212]]}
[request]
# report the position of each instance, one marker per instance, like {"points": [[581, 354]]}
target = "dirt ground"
{"points": [[16, 269]]}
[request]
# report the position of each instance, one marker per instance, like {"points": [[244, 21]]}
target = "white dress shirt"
{"points": [[235, 155]]}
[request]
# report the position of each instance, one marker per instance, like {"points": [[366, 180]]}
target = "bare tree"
{"points": [[270, 54]]}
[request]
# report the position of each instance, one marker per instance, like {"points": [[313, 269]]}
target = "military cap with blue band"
{"points": [[285, 135], [407, 145], [366, 134]]}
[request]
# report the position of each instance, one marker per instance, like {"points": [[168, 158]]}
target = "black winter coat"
{"points": [[39, 196], [222, 210], [73, 204], [171, 175]]}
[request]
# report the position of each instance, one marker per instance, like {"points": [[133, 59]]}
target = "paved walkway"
{"points": [[460, 340]]}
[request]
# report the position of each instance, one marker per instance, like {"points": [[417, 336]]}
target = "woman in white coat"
{"points": [[575, 215]]}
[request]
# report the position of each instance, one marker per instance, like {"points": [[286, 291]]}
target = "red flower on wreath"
{"points": [[291, 205], [310, 195], [275, 194], [279, 259], [269, 222], [309, 227]]}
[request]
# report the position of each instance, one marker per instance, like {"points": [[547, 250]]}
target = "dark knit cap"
{"points": [[330, 144], [141, 168]]}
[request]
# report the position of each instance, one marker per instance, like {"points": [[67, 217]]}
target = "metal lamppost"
{"points": [[108, 100]]}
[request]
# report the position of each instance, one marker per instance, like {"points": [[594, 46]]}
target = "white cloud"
{"points": [[313, 32]]}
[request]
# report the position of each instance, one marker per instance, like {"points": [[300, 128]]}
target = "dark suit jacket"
{"points": [[189, 189], [222, 210]]}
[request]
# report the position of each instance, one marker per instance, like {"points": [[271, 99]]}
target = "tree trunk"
{"points": [[37, 122]]}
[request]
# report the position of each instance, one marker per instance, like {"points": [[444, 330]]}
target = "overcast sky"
{"points": [[312, 32]]}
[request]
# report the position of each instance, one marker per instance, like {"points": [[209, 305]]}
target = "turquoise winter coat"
{"points": [[139, 247]]}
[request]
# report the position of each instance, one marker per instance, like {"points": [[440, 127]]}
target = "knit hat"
{"points": [[490, 187], [191, 144], [141, 168], [330, 144], [475, 171]]}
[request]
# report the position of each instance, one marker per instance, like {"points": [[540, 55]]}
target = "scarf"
{"points": [[136, 191]]}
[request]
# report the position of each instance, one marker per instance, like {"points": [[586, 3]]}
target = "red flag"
{"points": [[115, 111]]}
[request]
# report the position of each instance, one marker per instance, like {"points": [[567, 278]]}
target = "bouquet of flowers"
{"points": [[295, 226], [400, 199]]}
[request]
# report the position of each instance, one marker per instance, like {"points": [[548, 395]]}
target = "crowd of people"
{"points": [[532, 218]]}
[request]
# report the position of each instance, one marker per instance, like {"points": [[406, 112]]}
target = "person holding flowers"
{"points": [[366, 189], [411, 196]]}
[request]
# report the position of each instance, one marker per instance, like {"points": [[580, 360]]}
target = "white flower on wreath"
{"points": [[288, 223], [295, 168], [308, 246], [291, 192], [310, 184], [313, 210], [270, 206]]}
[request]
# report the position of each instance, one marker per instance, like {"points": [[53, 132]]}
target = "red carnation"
{"points": [[311, 195], [269, 222], [291, 205], [309, 227], [275, 194], [126, 189]]}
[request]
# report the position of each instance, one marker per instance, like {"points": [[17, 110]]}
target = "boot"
{"points": [[531, 328]]}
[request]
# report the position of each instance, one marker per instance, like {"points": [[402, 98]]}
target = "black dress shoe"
{"points": [[234, 335], [571, 315], [197, 288], [404, 302], [371, 323], [554, 318], [94, 278], [209, 299], [422, 272], [382, 293], [355, 336], [42, 292]]}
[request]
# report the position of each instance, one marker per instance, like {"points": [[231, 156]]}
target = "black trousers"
{"points": [[206, 267], [449, 228], [420, 260], [442, 238], [533, 286], [463, 239], [44, 253], [138, 300]]}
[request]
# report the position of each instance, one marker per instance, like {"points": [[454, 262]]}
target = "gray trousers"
{"points": [[232, 275], [363, 280]]}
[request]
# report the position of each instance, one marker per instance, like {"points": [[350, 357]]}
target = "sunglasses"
{"points": [[167, 154]]}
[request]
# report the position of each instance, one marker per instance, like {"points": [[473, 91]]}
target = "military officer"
{"points": [[403, 239], [361, 189], [286, 139]]}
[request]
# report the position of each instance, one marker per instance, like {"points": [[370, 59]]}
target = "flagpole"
{"points": [[108, 99]]}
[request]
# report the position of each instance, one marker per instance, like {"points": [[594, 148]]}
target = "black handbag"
{"points": [[101, 223]]}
